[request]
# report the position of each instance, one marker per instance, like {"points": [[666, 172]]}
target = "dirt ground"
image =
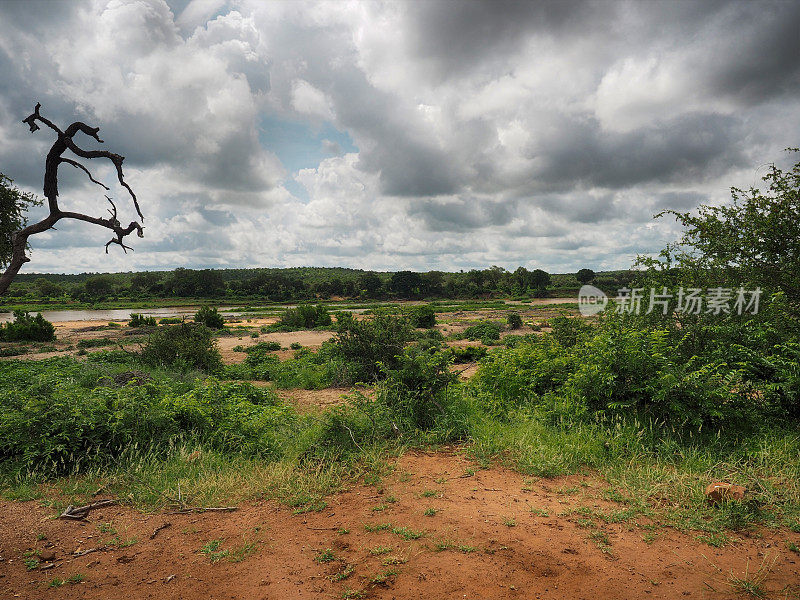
{"points": [[491, 534]]}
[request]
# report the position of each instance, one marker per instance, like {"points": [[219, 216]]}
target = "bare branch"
{"points": [[78, 165], [55, 158]]}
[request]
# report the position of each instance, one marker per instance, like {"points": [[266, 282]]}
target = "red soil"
{"points": [[485, 557]]}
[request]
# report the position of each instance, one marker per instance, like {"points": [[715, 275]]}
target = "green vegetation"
{"points": [[25, 328], [140, 320], [182, 347], [305, 316], [657, 404], [14, 203], [210, 317]]}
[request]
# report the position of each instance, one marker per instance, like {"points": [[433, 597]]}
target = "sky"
{"points": [[396, 135]]}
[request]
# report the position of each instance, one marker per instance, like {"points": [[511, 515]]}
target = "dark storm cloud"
{"points": [[689, 148], [463, 214], [460, 35], [478, 129], [759, 53]]}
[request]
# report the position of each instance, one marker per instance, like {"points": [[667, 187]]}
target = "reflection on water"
{"points": [[123, 314], [59, 316]]}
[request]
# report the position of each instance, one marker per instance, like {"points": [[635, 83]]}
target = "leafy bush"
{"points": [[416, 388], [568, 331], [370, 346], [95, 343], [307, 370], [295, 345], [520, 376], [139, 320], [169, 321], [486, 332], [25, 328], [210, 317], [56, 420], [305, 316], [467, 354], [185, 346], [514, 321], [423, 317], [258, 350]]}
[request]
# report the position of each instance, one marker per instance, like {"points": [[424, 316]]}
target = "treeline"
{"points": [[306, 283]]}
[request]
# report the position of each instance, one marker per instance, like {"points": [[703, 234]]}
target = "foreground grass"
{"points": [[649, 470], [656, 473]]}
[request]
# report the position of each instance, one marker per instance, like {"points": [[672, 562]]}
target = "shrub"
{"points": [[95, 343], [262, 347], [185, 346], [307, 370], [570, 330], [25, 328], [55, 421], [139, 320], [423, 317], [305, 316], [365, 345], [295, 345], [210, 317], [486, 332], [169, 321], [514, 321], [415, 390], [466, 354]]}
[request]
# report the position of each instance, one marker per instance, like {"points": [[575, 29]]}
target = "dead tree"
{"points": [[54, 159]]}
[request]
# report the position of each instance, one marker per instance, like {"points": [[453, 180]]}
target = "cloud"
{"points": [[401, 135]]}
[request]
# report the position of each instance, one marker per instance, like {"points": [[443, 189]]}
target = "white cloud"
{"points": [[528, 133]]}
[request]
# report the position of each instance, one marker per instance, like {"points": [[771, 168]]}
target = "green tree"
{"points": [[406, 284], [584, 276], [48, 289], [755, 239], [13, 205]]}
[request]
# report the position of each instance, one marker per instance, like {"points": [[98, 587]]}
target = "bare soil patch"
{"points": [[490, 534]]}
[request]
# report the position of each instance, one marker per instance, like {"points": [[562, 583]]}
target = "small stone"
{"points": [[719, 492], [47, 556]]}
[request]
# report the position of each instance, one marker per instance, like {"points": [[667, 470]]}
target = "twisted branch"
{"points": [[64, 141]]}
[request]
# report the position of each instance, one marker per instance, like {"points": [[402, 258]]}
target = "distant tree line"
{"points": [[308, 284]]}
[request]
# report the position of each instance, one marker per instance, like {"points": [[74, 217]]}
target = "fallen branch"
{"points": [[159, 528], [78, 553], [201, 509], [79, 513]]}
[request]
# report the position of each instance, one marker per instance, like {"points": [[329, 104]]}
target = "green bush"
{"points": [[56, 419], [25, 328], [467, 354], [95, 343], [416, 388], [423, 317], [168, 321], [514, 321], [370, 346], [139, 320], [483, 331], [184, 347], [305, 316], [210, 317], [261, 348], [307, 370]]}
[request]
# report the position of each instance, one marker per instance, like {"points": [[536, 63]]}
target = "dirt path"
{"points": [[490, 534]]}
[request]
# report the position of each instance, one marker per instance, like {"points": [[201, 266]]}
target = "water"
{"points": [[59, 316]]}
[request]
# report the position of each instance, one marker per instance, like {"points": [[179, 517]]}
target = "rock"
{"points": [[719, 492], [47, 556]]}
